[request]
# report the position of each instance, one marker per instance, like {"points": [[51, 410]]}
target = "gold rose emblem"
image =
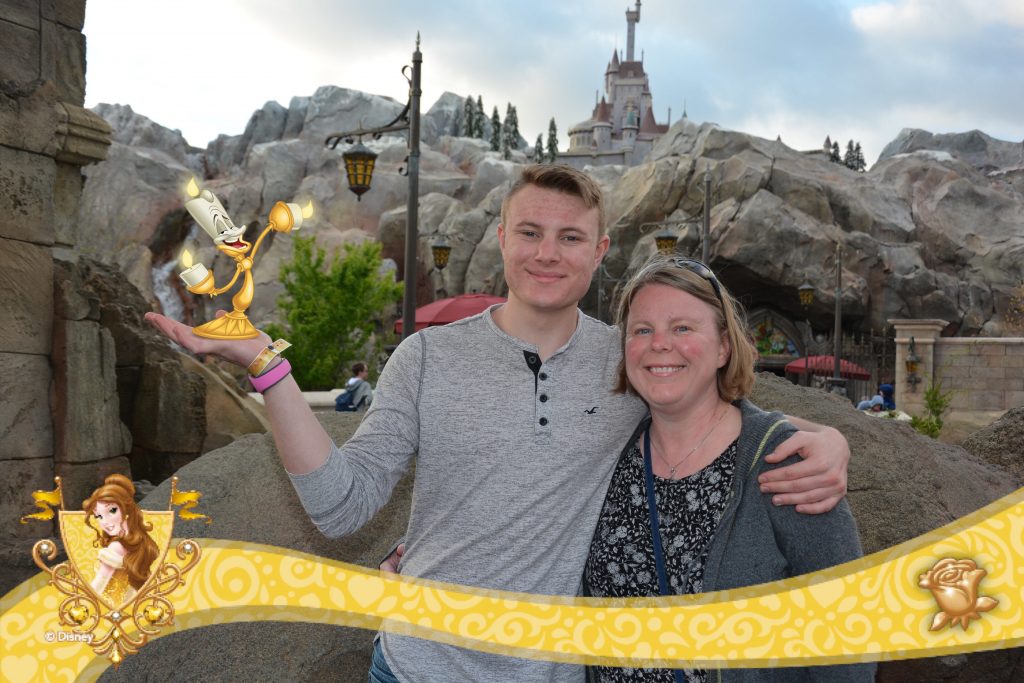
{"points": [[954, 583]]}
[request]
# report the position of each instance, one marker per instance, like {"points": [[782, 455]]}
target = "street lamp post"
{"points": [[837, 342], [806, 299], [705, 240], [359, 162]]}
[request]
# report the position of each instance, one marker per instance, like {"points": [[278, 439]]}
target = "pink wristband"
{"points": [[269, 379]]}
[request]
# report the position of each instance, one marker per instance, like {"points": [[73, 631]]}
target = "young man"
{"points": [[515, 429]]}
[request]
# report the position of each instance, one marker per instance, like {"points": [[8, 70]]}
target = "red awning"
{"points": [[823, 365], [444, 311]]}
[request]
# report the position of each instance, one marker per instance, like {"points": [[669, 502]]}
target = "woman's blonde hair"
{"points": [[139, 547], [736, 377]]}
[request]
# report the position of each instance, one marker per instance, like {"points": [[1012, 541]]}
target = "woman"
{"points": [[126, 549], [695, 460]]}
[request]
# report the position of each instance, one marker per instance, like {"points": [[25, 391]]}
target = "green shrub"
{"points": [[936, 403], [332, 312]]}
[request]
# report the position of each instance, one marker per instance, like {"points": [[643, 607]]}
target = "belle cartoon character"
{"points": [[126, 548]]}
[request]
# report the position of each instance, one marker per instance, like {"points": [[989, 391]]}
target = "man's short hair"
{"points": [[564, 179], [358, 368]]}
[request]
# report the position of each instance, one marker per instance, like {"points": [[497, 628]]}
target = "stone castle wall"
{"points": [[56, 362], [985, 374]]}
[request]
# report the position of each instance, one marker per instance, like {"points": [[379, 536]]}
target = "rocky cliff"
{"points": [[934, 230]]}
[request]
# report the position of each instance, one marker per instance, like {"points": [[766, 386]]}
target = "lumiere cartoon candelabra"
{"points": [[209, 213]]}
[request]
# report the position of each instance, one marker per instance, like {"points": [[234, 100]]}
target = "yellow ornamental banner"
{"points": [[957, 589]]}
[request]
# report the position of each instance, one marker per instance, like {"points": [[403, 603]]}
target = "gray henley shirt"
{"points": [[513, 457]]}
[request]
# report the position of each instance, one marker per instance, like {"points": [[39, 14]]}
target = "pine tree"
{"points": [[552, 141], [827, 147], [495, 130], [468, 118], [538, 149], [514, 133], [509, 132], [835, 157], [479, 119], [858, 159], [849, 159]]}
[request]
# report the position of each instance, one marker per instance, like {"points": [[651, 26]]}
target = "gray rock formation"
{"points": [[923, 234], [973, 147], [926, 234]]}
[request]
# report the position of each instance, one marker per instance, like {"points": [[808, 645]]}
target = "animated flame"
{"points": [[307, 210], [186, 258], [192, 189]]}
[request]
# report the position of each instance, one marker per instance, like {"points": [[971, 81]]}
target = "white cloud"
{"points": [[854, 69], [936, 19]]}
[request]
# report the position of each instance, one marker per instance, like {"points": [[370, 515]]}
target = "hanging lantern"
{"points": [[666, 242], [441, 252], [359, 161], [806, 294]]}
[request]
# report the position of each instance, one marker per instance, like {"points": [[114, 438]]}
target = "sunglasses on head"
{"points": [[700, 269]]}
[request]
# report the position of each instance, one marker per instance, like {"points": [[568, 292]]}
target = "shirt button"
{"points": [[543, 422], [543, 375], [543, 398]]}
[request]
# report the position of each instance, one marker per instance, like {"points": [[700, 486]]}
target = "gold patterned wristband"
{"points": [[260, 362]]}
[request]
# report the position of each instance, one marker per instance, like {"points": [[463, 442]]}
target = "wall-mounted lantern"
{"points": [[913, 363]]}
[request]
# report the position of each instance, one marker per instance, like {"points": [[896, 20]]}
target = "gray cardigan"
{"points": [[757, 542]]}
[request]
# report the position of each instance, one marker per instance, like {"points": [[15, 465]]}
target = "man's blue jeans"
{"points": [[379, 670]]}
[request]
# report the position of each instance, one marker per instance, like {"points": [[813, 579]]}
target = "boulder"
{"points": [[135, 130], [230, 412], [463, 232], [973, 147], [1002, 444], [491, 171], [443, 118], [126, 200], [465, 153], [434, 209]]}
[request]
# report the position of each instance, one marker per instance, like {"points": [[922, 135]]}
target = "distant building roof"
{"points": [[649, 125], [631, 70]]}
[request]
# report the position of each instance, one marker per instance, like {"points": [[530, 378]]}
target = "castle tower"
{"points": [[622, 128], [632, 17]]}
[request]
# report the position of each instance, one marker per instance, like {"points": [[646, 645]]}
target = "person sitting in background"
{"points": [[358, 393], [888, 396], [874, 404]]}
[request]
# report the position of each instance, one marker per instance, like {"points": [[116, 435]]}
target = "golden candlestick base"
{"points": [[234, 325]]}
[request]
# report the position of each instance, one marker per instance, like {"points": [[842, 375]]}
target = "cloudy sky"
{"points": [[802, 69]]}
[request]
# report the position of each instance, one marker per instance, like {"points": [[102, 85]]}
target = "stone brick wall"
{"points": [[56, 370], [985, 374]]}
